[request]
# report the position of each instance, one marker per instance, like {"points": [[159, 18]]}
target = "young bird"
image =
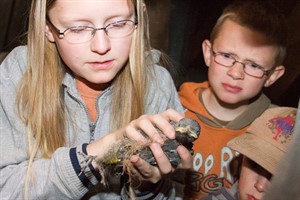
{"points": [[187, 131]]}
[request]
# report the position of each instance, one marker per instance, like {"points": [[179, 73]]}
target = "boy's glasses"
{"points": [[81, 34], [250, 68]]}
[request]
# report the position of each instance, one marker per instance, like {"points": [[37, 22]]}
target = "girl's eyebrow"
{"points": [[127, 16], [108, 19]]}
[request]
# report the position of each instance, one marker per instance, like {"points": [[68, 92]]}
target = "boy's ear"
{"points": [[49, 34], [206, 49], [276, 74]]}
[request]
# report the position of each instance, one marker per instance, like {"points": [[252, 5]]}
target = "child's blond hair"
{"points": [[259, 16]]}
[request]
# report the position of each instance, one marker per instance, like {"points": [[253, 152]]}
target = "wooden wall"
{"points": [[13, 22]]}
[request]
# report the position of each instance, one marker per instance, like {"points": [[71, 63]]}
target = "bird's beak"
{"points": [[186, 130]]}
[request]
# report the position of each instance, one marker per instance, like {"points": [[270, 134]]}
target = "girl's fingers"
{"points": [[172, 115], [133, 133], [145, 170], [156, 127], [186, 158], [162, 161], [149, 172]]}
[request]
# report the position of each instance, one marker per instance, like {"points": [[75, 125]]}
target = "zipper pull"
{"points": [[92, 132]]}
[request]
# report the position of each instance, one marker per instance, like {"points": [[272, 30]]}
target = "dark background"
{"points": [[178, 28]]}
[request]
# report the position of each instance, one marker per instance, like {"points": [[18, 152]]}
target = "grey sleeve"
{"points": [[53, 178]]}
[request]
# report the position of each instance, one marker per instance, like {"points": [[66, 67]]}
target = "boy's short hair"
{"points": [[260, 16], [266, 140]]}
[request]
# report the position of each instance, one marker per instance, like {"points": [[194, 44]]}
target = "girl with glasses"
{"points": [[86, 79]]}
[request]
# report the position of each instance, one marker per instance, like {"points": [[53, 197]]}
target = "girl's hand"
{"points": [[148, 124], [144, 171]]}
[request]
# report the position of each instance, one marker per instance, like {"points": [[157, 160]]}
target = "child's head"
{"points": [[260, 17], [98, 43], [263, 146], [95, 41], [94, 38], [245, 51]]}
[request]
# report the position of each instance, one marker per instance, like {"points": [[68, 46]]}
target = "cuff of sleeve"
{"points": [[81, 163], [92, 169]]}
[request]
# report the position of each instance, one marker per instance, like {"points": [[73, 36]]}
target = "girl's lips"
{"points": [[104, 65], [231, 88]]}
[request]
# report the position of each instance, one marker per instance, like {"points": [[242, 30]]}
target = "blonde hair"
{"points": [[260, 16], [132, 82], [40, 95]]}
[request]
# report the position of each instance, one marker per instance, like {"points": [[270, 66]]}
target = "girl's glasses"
{"points": [[81, 34]]}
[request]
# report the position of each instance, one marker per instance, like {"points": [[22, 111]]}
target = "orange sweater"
{"points": [[89, 96], [213, 161]]}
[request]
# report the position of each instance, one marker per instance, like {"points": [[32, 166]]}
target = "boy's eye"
{"points": [[226, 55], [253, 65]]}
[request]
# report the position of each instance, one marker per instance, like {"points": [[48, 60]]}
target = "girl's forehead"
{"points": [[97, 8]]}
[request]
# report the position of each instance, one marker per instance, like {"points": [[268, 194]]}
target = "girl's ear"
{"points": [[206, 49], [276, 74], [49, 34]]}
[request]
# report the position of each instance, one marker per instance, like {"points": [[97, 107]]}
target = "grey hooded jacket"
{"points": [[59, 177]]}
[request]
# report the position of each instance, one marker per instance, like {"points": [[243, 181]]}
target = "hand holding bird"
{"points": [[187, 131]]}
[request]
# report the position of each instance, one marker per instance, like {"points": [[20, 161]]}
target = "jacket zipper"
{"points": [[92, 131], [92, 125]]}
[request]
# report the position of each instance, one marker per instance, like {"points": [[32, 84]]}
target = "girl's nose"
{"points": [[236, 71], [100, 43]]}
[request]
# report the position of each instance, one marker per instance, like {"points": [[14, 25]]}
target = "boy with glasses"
{"points": [[244, 54]]}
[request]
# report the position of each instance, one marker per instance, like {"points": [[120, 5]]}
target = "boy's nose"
{"points": [[236, 71], [100, 43], [261, 184]]}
